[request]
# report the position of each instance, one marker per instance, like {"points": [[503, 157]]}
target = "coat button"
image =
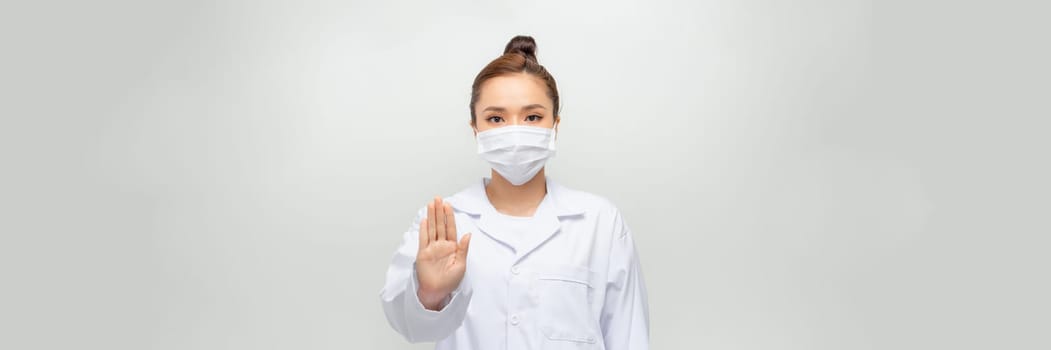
{"points": [[514, 269], [514, 320]]}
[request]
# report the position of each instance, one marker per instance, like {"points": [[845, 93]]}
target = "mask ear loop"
{"points": [[477, 145], [554, 136]]}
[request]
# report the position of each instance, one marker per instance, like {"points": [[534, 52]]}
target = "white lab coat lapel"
{"points": [[547, 225], [475, 203], [551, 211], [489, 226]]}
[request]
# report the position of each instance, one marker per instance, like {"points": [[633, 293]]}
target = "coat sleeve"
{"points": [[405, 313], [625, 314]]}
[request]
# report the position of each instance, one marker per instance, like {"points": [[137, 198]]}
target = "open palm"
{"points": [[440, 261]]}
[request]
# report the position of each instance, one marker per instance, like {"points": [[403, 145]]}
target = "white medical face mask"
{"points": [[517, 152]]}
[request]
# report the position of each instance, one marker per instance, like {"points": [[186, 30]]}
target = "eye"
{"points": [[495, 119], [534, 118]]}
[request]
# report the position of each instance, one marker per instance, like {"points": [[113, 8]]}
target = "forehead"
{"points": [[513, 89]]}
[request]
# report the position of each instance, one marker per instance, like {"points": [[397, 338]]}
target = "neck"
{"points": [[516, 200]]}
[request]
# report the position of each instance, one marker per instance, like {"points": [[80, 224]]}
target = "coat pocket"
{"points": [[564, 300]]}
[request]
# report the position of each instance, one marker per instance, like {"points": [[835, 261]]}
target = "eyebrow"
{"points": [[502, 109]]}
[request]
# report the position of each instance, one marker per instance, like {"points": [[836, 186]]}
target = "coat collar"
{"points": [[475, 202]]}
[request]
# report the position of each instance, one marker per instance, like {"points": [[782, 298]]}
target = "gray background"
{"points": [[799, 174]]}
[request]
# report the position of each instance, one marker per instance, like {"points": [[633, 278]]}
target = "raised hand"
{"points": [[441, 261]]}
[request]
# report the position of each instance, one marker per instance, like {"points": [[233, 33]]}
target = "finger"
{"points": [[440, 216], [450, 222], [425, 239], [430, 222], [465, 243]]}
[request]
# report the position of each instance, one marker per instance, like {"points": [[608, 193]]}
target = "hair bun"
{"points": [[523, 45]]}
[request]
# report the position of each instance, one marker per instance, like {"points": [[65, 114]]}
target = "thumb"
{"points": [[465, 242]]}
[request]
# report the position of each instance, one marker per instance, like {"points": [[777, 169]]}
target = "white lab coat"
{"points": [[573, 283]]}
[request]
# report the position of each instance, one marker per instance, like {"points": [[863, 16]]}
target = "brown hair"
{"points": [[519, 57]]}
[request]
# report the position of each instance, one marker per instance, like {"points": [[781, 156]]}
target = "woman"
{"points": [[552, 268]]}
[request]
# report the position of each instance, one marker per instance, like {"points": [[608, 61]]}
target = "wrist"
{"points": [[431, 300]]}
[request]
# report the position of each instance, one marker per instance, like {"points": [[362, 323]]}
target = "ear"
{"points": [[558, 120], [474, 128]]}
